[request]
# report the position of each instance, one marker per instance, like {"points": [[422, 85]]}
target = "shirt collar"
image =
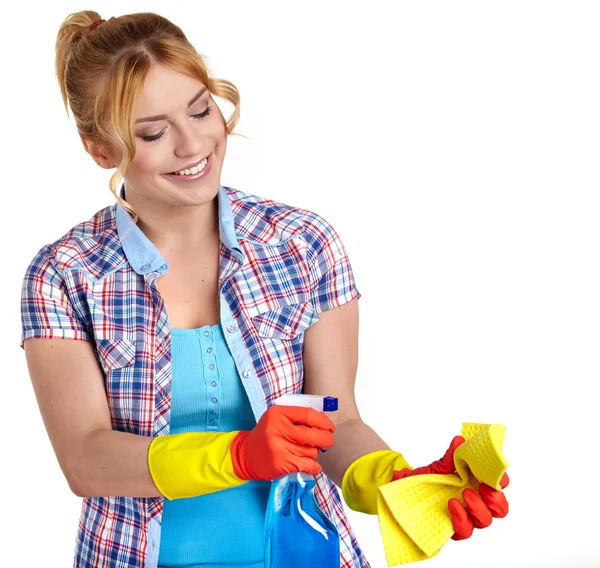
{"points": [[144, 257]]}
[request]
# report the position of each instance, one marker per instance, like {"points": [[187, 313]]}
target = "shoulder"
{"points": [[268, 221], [84, 245]]}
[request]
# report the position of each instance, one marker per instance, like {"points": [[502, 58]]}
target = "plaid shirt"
{"points": [[279, 267]]}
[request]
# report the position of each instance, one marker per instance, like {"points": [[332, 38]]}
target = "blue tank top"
{"points": [[226, 528]]}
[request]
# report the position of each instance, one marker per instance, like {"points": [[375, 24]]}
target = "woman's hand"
{"points": [[286, 439], [480, 507]]}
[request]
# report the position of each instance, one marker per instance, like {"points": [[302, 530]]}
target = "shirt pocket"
{"points": [[286, 322], [115, 353]]}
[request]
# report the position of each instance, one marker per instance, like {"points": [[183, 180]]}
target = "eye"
{"points": [[203, 114], [200, 116], [152, 138]]}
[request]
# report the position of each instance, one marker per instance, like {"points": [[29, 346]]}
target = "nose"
{"points": [[189, 142]]}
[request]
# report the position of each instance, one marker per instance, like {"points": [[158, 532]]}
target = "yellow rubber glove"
{"points": [[192, 463], [366, 474]]}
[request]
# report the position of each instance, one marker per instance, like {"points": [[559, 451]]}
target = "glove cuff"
{"points": [[237, 451], [364, 476], [192, 463]]}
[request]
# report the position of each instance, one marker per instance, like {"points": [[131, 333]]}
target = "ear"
{"points": [[99, 154]]}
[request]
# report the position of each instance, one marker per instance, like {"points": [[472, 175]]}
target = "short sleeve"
{"points": [[331, 275], [46, 311]]}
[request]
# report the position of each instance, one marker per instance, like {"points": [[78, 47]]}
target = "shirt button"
{"points": [[206, 334], [213, 422], [213, 383], [214, 399], [213, 412], [209, 350], [145, 266], [211, 366], [247, 373], [287, 329], [231, 328]]}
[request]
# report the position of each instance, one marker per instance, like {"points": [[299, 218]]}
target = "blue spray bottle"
{"points": [[297, 533]]}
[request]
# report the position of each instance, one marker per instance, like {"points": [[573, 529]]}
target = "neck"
{"points": [[182, 230]]}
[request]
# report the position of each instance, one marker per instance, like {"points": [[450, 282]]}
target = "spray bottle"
{"points": [[297, 533]]}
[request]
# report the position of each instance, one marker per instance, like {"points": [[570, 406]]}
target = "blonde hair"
{"points": [[101, 72]]}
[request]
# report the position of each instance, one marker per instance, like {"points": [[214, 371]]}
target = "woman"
{"points": [[193, 306]]}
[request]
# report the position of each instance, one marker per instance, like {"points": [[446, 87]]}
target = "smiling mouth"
{"points": [[194, 169]]}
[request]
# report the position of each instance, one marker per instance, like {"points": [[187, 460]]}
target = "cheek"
{"points": [[145, 162], [219, 128]]}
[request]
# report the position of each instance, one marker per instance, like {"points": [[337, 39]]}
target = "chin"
{"points": [[195, 194]]}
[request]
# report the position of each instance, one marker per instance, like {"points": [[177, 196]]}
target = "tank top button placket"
{"points": [[211, 378]]}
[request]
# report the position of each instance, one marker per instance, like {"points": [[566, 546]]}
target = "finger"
{"points": [[463, 525], [309, 452], [446, 463], [308, 417], [504, 481], [401, 474], [477, 509], [441, 466], [303, 435], [407, 472], [309, 466], [495, 500]]}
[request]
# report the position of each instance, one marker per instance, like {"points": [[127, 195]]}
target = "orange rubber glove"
{"points": [[286, 439], [480, 507]]}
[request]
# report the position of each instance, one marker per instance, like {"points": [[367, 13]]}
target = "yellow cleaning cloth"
{"points": [[413, 512]]}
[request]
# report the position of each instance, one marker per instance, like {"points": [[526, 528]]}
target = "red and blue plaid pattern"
{"points": [[279, 267]]}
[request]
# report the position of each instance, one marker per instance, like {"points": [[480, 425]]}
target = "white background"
{"points": [[455, 147]]}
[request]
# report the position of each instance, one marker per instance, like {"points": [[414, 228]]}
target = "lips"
{"points": [[190, 166], [192, 178]]}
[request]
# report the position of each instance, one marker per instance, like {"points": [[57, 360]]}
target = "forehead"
{"points": [[166, 91]]}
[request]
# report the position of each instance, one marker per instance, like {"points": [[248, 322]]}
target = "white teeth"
{"points": [[194, 170]]}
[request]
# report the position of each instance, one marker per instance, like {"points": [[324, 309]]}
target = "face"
{"points": [[178, 127]]}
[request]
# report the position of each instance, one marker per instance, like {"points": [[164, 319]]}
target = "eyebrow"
{"points": [[164, 116]]}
